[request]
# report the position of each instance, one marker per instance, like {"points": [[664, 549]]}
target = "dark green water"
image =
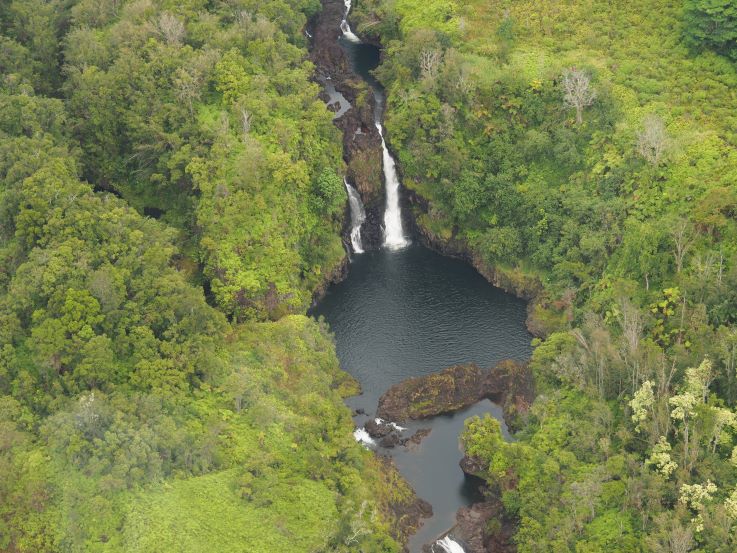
{"points": [[409, 313]]}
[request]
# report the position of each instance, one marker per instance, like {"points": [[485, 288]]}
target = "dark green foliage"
{"points": [[712, 24], [133, 416]]}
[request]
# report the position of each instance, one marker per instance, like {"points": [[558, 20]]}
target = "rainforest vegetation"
{"points": [[591, 145], [169, 200]]}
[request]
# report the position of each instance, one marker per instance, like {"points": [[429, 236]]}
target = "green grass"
{"points": [[206, 514]]}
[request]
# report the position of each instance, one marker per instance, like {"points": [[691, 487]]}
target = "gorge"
{"points": [[404, 311]]}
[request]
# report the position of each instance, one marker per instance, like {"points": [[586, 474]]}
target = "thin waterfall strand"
{"points": [[449, 545], [358, 216], [394, 238]]}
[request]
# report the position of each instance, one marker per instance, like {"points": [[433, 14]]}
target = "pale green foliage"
{"points": [[661, 458], [696, 497], [683, 406], [730, 505], [698, 379], [641, 404]]}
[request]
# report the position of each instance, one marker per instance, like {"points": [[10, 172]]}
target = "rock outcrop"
{"points": [[481, 528], [456, 388], [406, 510], [449, 390]]}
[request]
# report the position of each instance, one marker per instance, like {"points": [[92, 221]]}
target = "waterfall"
{"points": [[449, 545], [345, 27], [394, 238], [358, 216], [362, 437]]}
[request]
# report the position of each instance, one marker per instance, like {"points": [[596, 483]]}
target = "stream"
{"points": [[405, 311]]}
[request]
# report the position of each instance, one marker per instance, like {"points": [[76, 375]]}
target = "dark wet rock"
{"points": [[377, 429], [420, 435], [417, 437], [422, 397], [481, 528], [359, 411], [508, 383], [390, 440], [471, 523], [471, 465]]}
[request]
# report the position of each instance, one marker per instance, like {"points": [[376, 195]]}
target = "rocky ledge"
{"points": [[481, 528], [400, 501], [508, 383]]}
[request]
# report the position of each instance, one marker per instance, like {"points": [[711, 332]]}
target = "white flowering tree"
{"points": [[696, 497], [661, 459], [642, 405]]}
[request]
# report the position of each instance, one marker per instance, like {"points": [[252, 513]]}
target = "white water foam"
{"points": [[394, 425], [358, 216], [345, 27], [394, 238], [449, 545], [362, 437]]}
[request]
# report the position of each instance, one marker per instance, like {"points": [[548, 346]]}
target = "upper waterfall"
{"points": [[358, 216], [345, 27]]}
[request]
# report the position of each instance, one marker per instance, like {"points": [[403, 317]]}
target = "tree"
{"points": [[430, 63], [682, 234], [652, 140], [712, 24], [577, 91], [170, 28]]}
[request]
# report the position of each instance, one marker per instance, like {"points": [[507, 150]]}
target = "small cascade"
{"points": [[345, 27], [394, 238], [448, 545], [358, 216], [362, 437], [394, 425]]}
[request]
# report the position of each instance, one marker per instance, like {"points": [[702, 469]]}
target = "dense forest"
{"points": [[590, 145], [169, 200]]}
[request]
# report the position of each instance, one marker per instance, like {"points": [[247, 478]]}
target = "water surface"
{"points": [[410, 313]]}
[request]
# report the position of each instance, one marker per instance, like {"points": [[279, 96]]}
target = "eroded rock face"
{"points": [[447, 391], [456, 388], [406, 509], [472, 465], [481, 528]]}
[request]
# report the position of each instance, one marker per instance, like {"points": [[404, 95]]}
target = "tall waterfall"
{"points": [[358, 216], [449, 545], [394, 238], [345, 27]]}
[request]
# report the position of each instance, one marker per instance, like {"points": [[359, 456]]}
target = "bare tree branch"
{"points": [[653, 142], [577, 91]]}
